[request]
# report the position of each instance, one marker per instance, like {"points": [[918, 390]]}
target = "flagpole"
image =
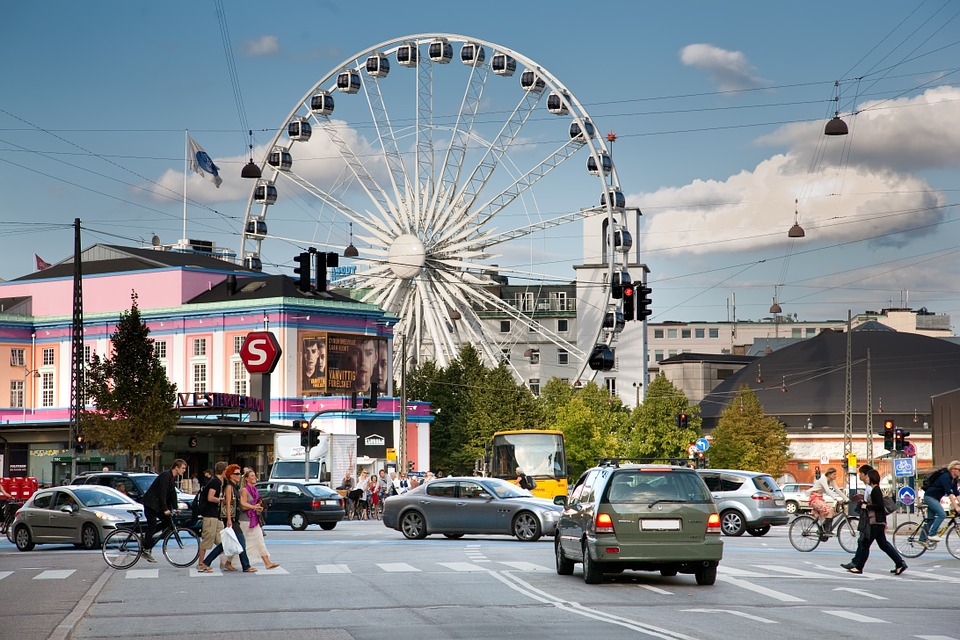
{"points": [[186, 160]]}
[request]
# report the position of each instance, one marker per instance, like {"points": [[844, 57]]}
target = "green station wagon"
{"points": [[642, 518]]}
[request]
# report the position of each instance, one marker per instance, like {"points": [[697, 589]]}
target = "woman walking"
{"points": [[251, 510], [876, 516], [229, 513]]}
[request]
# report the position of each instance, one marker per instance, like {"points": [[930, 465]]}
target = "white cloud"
{"points": [[262, 46], [730, 70]]}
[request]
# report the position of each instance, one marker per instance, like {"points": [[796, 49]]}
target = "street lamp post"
{"points": [[402, 444]]}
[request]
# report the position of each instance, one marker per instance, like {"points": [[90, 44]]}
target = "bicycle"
{"points": [[123, 547], [806, 533], [10, 509], [906, 537]]}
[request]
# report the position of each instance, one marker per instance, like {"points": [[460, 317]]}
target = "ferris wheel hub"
{"points": [[407, 256]]}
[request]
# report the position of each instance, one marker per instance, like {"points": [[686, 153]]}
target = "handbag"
{"points": [[231, 545], [889, 504]]}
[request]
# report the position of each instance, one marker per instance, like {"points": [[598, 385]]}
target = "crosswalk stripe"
{"points": [[526, 566], [333, 568], [856, 617], [398, 567], [134, 574], [800, 573], [461, 566], [278, 571], [54, 574], [740, 573], [4, 574], [776, 595], [650, 587]]}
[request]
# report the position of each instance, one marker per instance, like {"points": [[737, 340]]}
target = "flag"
{"points": [[41, 263], [202, 164]]}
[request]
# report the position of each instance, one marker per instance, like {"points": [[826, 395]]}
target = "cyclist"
{"points": [[159, 502], [7, 512], [825, 485], [945, 485]]}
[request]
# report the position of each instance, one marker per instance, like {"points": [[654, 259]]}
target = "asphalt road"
{"points": [[363, 581]]}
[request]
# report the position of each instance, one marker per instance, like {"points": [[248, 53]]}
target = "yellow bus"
{"points": [[538, 453]]}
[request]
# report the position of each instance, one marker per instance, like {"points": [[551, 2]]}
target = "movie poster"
{"points": [[342, 363]]}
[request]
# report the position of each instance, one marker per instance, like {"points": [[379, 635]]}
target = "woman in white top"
{"points": [[825, 485]]}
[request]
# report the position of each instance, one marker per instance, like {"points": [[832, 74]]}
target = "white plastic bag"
{"points": [[231, 545]]}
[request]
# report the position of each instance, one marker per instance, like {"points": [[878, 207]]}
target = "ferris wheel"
{"points": [[462, 169]]}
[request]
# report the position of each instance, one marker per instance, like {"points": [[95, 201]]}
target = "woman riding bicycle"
{"points": [[825, 485]]}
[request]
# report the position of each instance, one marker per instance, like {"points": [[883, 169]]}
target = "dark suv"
{"points": [[135, 484], [642, 518]]}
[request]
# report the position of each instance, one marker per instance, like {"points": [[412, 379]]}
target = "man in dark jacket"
{"points": [[159, 502]]}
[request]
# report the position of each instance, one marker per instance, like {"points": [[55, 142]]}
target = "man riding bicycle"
{"points": [[159, 503], [825, 485], [945, 485]]}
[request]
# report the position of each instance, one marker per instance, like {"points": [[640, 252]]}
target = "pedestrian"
{"points": [[873, 512], [361, 495], [159, 503], [826, 485], [251, 511], [944, 485], [229, 514], [523, 480], [212, 524]]}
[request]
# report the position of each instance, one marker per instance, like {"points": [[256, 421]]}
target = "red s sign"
{"points": [[260, 352]]}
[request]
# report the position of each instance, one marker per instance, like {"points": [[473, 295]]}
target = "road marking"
{"points": [[135, 574], [748, 616], [776, 595], [856, 617], [800, 573], [196, 574], [54, 574], [462, 566], [279, 571], [740, 573], [4, 574], [935, 638], [526, 566], [333, 568], [860, 592], [397, 567], [656, 589]]}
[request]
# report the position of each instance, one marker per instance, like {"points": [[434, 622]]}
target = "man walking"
{"points": [[159, 502], [212, 525]]}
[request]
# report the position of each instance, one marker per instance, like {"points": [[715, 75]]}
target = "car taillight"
{"points": [[604, 523], [317, 503], [713, 523], [761, 496]]}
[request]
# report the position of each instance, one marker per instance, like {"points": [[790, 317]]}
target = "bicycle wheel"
{"points": [[952, 540], [122, 548], [804, 533], [181, 547], [906, 538], [848, 534]]}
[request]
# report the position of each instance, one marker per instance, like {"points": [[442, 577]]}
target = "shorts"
{"points": [[210, 536]]}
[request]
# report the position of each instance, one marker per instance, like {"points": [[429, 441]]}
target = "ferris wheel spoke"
{"points": [[493, 239], [425, 150], [438, 317], [362, 220], [388, 145]]}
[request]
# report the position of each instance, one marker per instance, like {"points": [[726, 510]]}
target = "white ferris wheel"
{"points": [[456, 165]]}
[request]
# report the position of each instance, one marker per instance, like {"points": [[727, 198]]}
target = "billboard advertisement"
{"points": [[341, 363]]}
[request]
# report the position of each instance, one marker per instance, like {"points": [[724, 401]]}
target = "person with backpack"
{"points": [[525, 481], [940, 483]]}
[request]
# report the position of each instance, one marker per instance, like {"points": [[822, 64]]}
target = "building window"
{"points": [[565, 380], [563, 357], [658, 333], [611, 385], [237, 343], [46, 398], [199, 346], [672, 333], [563, 325], [685, 333], [524, 301], [16, 394], [658, 355], [562, 303], [534, 356], [811, 331], [160, 349], [200, 377], [795, 333], [671, 353], [723, 374], [504, 326], [505, 355], [714, 333], [534, 386], [239, 378], [699, 333], [16, 358], [87, 354], [48, 359]]}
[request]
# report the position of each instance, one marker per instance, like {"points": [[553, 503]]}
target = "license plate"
{"points": [[779, 503], [660, 525]]}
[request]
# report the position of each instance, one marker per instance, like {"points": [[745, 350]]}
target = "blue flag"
{"points": [[202, 164]]}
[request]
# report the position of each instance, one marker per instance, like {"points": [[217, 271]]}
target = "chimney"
{"points": [[231, 284]]}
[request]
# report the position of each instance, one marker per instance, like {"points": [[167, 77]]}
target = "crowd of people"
{"points": [[364, 495]]}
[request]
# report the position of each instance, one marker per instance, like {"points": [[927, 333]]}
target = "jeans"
{"points": [[935, 515], [875, 532], [217, 550], [153, 518]]}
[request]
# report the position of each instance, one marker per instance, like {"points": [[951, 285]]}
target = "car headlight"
{"points": [[182, 506], [103, 515]]}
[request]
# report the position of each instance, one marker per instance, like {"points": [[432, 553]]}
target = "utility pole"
{"points": [[76, 370], [848, 404], [869, 413], [402, 444]]}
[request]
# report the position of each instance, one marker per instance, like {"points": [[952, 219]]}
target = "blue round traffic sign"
{"points": [[906, 496], [702, 444]]}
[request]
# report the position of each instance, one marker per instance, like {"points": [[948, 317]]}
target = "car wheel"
{"points": [[453, 536], [413, 526], [564, 564], [88, 537], [328, 526], [592, 571], [668, 573], [22, 539], [731, 523], [526, 527], [792, 507], [759, 531], [298, 521], [706, 575]]}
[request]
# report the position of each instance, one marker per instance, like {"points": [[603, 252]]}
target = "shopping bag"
{"points": [[231, 545]]}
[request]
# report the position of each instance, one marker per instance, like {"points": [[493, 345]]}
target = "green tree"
{"points": [[592, 423], [746, 438], [134, 402], [654, 432]]}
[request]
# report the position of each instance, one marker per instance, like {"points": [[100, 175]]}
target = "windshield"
{"points": [[144, 482], [657, 485], [94, 497], [293, 470], [538, 454], [319, 491], [503, 489]]}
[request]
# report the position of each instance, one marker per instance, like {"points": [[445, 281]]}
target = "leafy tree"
{"points": [[746, 438], [134, 402], [654, 432], [592, 422]]}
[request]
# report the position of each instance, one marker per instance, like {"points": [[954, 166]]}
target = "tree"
{"points": [[592, 422], [746, 438], [654, 432], [134, 402]]}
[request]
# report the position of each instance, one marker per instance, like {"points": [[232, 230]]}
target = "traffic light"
{"points": [[898, 439], [374, 393], [888, 435], [643, 302], [304, 428], [324, 260], [683, 421], [701, 461], [629, 303], [79, 443], [410, 466], [302, 271], [313, 437], [904, 443]]}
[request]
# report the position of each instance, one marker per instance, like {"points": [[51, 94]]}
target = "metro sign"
{"points": [[260, 352]]}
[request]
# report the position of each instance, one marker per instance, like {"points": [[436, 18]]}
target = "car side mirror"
{"points": [[68, 508], [560, 500]]}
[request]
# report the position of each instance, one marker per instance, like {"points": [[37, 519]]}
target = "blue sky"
{"points": [[719, 110]]}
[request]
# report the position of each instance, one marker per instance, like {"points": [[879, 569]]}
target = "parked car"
{"points": [[299, 504], [642, 518], [81, 515], [457, 506], [748, 501], [135, 485], [796, 496]]}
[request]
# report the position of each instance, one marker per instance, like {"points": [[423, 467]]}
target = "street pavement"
{"points": [[364, 581]]}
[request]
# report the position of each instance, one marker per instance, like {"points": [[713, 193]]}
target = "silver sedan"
{"points": [[456, 506]]}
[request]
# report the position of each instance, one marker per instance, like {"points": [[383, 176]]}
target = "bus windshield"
{"points": [[536, 453]]}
